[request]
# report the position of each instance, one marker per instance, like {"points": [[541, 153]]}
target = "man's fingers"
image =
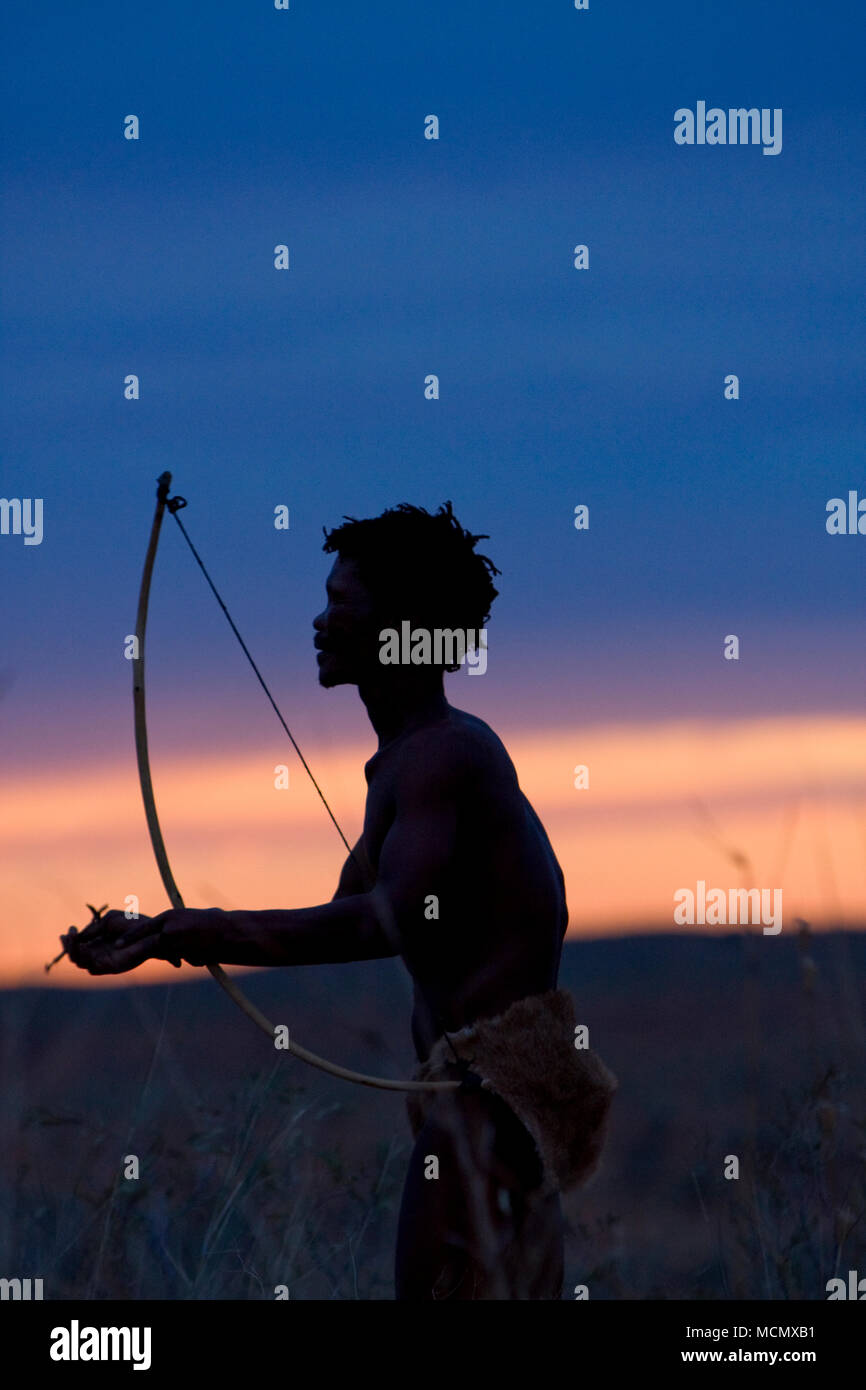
{"points": [[106, 958], [71, 943], [114, 944]]}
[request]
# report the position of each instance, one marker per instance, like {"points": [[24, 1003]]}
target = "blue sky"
{"points": [[411, 256]]}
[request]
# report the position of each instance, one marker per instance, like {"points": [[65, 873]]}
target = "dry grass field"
{"points": [[256, 1171]]}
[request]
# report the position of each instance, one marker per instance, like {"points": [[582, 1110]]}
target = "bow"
{"points": [[141, 749]]}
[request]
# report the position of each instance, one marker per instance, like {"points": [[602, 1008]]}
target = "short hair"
{"points": [[420, 562]]}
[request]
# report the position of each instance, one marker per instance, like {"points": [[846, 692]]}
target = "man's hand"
{"points": [[193, 934], [112, 945]]}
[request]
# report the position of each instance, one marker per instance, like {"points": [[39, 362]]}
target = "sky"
{"points": [[557, 387]]}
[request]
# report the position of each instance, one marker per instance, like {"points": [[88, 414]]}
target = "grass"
{"points": [[258, 1176], [246, 1201]]}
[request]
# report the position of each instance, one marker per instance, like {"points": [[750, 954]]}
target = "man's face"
{"points": [[347, 633]]}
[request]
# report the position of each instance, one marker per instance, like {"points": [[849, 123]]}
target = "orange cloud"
{"points": [[667, 804]]}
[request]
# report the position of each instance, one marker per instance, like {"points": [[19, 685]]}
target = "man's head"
{"points": [[406, 565]]}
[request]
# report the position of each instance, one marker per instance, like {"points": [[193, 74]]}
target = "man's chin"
{"points": [[329, 677]]}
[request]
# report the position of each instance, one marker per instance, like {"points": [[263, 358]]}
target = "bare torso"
{"points": [[500, 893]]}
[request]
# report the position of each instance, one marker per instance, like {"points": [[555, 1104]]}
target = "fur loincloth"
{"points": [[561, 1094]]}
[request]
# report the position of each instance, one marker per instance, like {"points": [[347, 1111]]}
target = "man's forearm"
{"points": [[343, 930]]}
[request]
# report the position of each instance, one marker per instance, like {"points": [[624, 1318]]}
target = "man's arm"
{"points": [[343, 930], [416, 851]]}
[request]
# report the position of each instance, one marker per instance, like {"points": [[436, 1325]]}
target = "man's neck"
{"points": [[404, 702]]}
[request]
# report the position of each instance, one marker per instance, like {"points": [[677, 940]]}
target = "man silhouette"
{"points": [[454, 873]]}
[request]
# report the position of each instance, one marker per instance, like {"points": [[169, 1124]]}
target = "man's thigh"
{"points": [[484, 1228]]}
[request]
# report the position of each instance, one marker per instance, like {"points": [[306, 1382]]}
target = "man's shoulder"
{"points": [[460, 743], [451, 747]]}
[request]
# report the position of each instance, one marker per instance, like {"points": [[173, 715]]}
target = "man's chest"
{"points": [[379, 813]]}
